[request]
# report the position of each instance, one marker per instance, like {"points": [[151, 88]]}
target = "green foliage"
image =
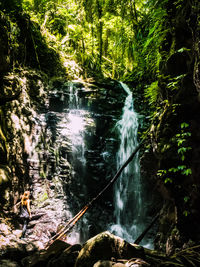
{"points": [[43, 174], [186, 212], [42, 197], [11, 6], [96, 33], [3, 138], [152, 92], [181, 141], [156, 35], [116, 38]]}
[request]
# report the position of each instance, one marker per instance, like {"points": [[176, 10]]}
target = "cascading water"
{"points": [[79, 137], [128, 202], [78, 120]]}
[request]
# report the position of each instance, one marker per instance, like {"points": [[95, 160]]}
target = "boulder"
{"points": [[120, 263], [103, 263], [4, 229], [108, 264], [105, 246], [41, 259], [12, 248], [8, 263], [67, 258]]}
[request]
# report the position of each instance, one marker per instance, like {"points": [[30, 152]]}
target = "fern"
{"points": [[151, 93]]}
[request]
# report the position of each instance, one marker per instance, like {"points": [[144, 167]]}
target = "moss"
{"points": [[43, 197], [4, 175]]}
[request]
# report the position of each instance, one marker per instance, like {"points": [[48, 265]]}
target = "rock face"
{"points": [[13, 249], [40, 151], [4, 61], [105, 246], [80, 151], [17, 120]]}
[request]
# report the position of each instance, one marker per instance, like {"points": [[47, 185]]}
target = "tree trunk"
{"points": [[100, 31], [134, 17]]}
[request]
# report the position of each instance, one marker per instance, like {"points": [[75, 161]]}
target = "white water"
{"points": [[77, 122], [129, 212]]}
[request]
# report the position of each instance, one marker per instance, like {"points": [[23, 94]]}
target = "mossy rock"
{"points": [[105, 246]]}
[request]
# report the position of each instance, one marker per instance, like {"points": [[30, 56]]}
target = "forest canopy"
{"points": [[116, 37]]}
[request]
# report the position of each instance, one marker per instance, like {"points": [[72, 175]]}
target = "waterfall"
{"points": [[128, 202], [80, 138], [78, 121]]}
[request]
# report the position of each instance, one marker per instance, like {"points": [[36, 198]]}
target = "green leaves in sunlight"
{"points": [[181, 141], [152, 92], [103, 36]]}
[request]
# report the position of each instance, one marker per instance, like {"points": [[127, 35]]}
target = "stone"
{"points": [[136, 263], [120, 263], [38, 245], [17, 233], [67, 258], [39, 259], [4, 229], [104, 246], [101, 263], [8, 263]]}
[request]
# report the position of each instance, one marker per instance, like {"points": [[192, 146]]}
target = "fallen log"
{"points": [[139, 239], [70, 224]]}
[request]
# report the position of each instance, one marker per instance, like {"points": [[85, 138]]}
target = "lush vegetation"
{"points": [[147, 43], [114, 37]]}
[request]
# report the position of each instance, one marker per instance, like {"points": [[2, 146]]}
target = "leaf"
{"points": [[181, 50], [186, 213], [181, 167], [182, 150], [186, 198], [187, 172], [173, 169], [182, 157], [186, 134], [71, 27], [161, 172], [180, 141], [184, 125], [168, 180]]}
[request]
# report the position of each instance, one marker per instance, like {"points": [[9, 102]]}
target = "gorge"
{"points": [[67, 125]]}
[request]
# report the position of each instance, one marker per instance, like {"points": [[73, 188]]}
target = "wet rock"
{"points": [[101, 263], [108, 264], [104, 246], [8, 263], [177, 64], [41, 259], [67, 258], [119, 265], [122, 262], [137, 263], [4, 229], [12, 247], [17, 233]]}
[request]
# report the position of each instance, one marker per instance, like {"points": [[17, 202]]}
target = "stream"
{"points": [[128, 192]]}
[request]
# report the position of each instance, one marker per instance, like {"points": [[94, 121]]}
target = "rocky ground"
{"points": [[103, 250]]}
